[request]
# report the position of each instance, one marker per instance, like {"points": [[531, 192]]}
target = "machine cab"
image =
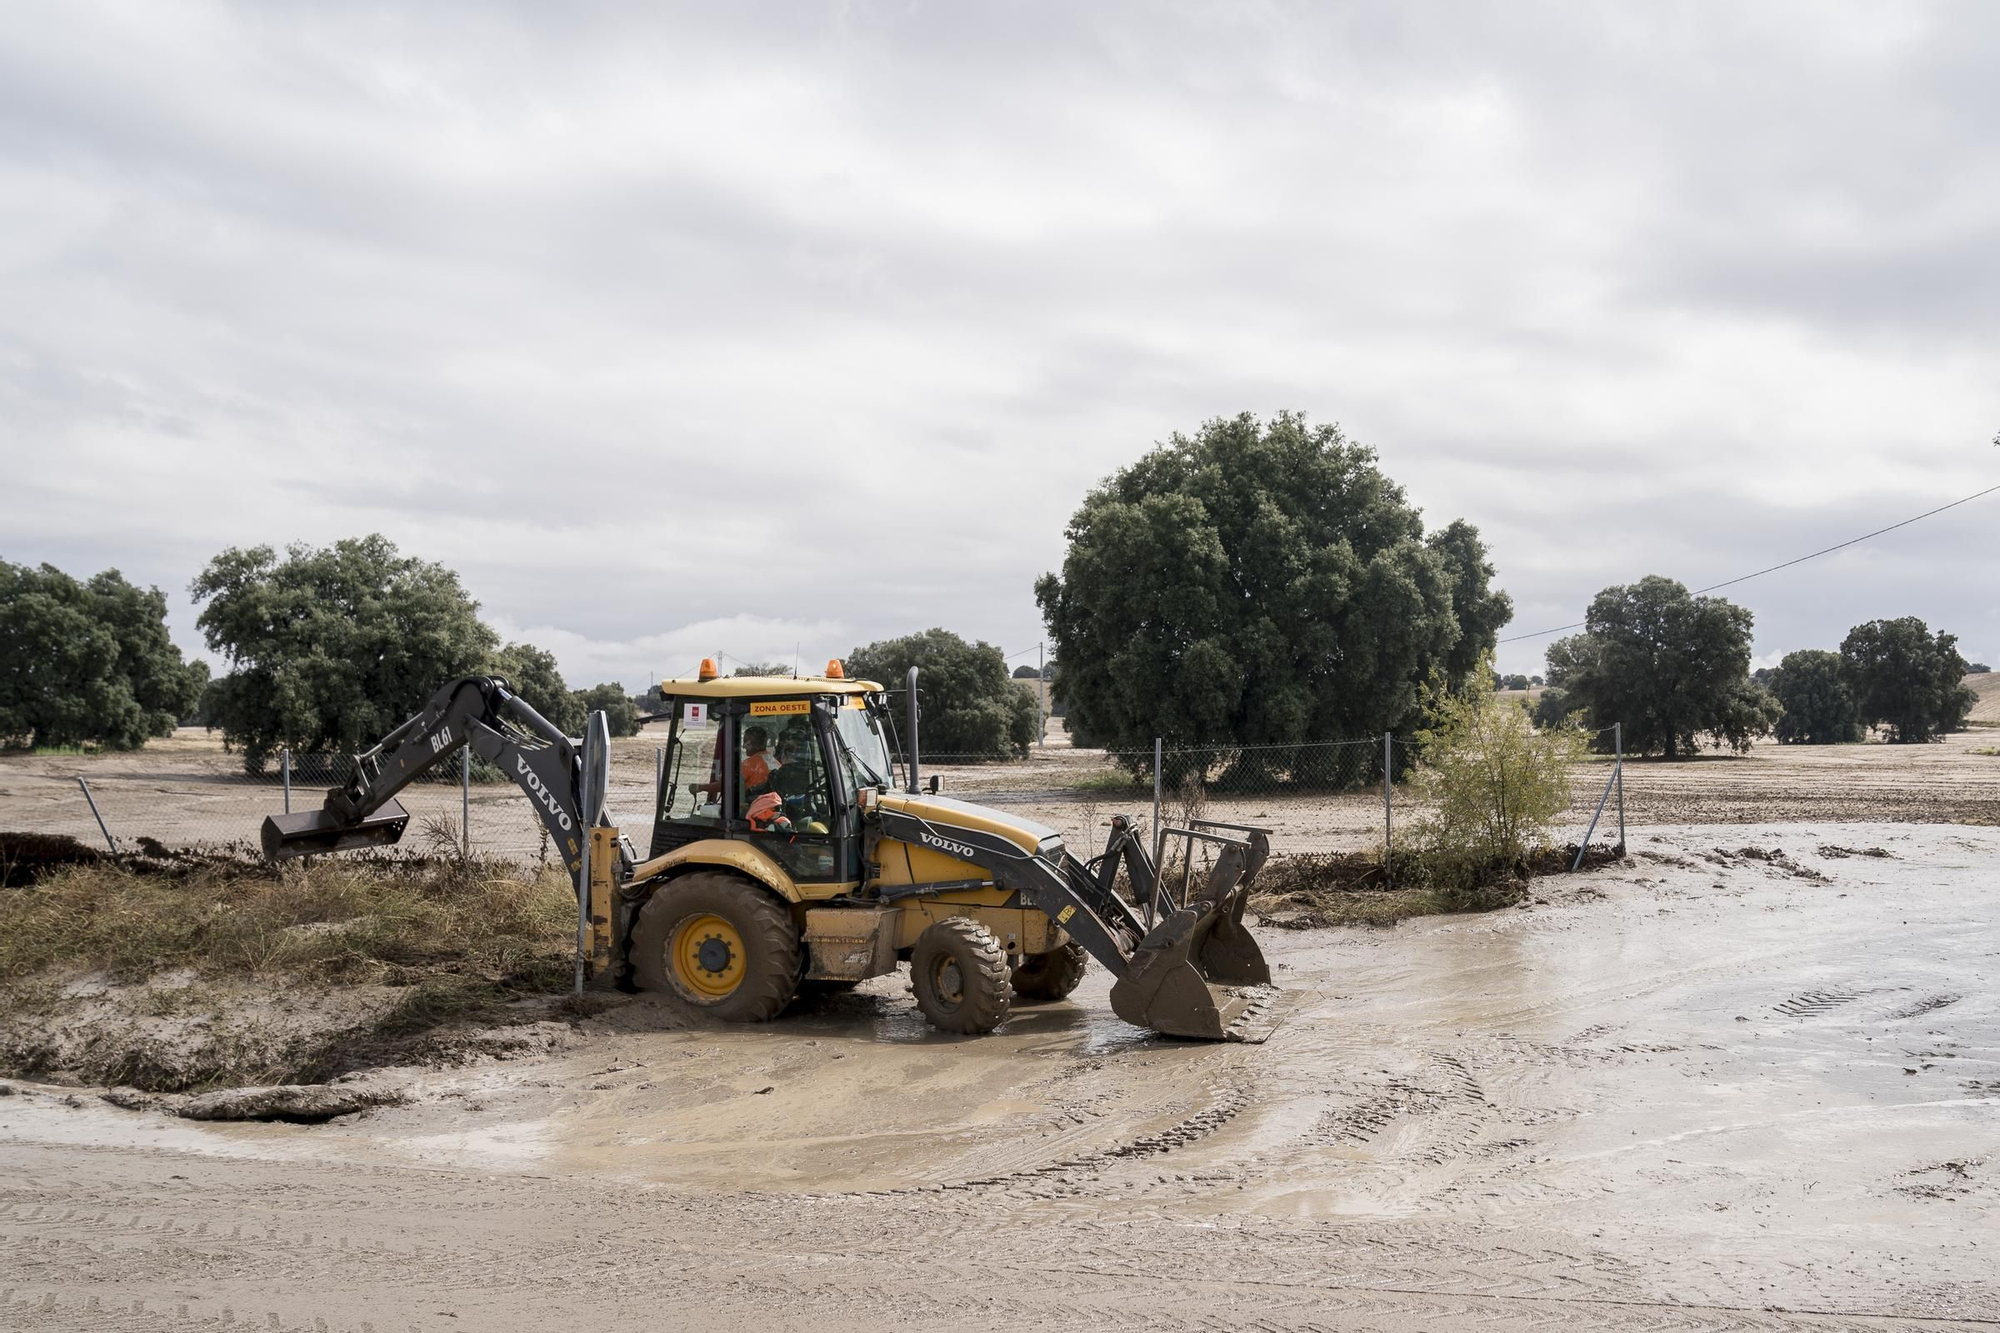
{"points": [[777, 761]]}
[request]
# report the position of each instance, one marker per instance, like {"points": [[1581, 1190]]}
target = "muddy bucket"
{"points": [[1199, 972], [310, 831]]}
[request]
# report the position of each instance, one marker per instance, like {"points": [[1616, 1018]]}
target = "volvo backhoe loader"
{"points": [[783, 855]]}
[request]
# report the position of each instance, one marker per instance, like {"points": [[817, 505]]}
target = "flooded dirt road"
{"points": [[1716, 1089]]}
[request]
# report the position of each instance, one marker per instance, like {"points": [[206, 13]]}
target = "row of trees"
{"points": [[327, 649], [1892, 674], [1674, 669], [1265, 584]]}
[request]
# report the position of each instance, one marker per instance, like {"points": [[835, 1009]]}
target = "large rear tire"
{"points": [[722, 944], [1052, 975], [959, 972]]}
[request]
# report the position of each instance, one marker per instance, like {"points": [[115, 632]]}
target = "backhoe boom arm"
{"points": [[477, 711]]}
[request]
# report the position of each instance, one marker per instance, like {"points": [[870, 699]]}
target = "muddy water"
{"points": [[1732, 1038], [1707, 1078]]}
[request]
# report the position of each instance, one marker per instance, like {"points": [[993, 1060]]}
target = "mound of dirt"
{"points": [[1349, 888], [26, 857]]}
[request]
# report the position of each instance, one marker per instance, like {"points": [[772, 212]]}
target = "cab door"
{"points": [[794, 805]]}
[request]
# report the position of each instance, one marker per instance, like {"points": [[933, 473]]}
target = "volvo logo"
{"points": [[542, 794], [957, 849]]}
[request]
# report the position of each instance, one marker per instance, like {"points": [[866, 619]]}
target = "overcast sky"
{"points": [[685, 328]]}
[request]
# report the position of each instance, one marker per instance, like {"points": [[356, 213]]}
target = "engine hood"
{"points": [[947, 814]]}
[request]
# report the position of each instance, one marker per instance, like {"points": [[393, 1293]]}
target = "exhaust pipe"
{"points": [[913, 731]]}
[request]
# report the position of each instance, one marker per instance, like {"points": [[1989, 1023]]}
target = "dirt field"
{"points": [[1711, 1090], [186, 789]]}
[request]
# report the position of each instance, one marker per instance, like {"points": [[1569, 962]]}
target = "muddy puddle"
{"points": [[1712, 1061]]}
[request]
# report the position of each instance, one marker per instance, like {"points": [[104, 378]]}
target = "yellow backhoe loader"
{"points": [[783, 854]]}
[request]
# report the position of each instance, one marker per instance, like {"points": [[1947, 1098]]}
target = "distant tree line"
{"points": [[1674, 669], [327, 648]]}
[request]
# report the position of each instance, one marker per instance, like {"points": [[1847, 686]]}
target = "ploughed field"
{"points": [[1748, 1078]]}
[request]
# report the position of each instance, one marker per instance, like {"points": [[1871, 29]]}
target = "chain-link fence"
{"points": [[1316, 799]]}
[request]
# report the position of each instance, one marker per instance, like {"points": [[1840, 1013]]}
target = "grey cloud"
{"points": [[640, 316]]}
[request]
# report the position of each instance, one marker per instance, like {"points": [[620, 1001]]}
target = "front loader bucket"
{"points": [[310, 831], [1199, 972]]}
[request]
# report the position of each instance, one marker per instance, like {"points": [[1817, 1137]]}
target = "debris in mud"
{"points": [[129, 1099], [1950, 1180], [1774, 857], [297, 1103], [1841, 853], [1348, 888]]}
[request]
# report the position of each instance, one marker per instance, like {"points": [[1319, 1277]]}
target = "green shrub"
{"points": [[1493, 785]]}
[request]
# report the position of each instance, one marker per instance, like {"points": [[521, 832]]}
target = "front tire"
{"points": [[1052, 975], [959, 973], [720, 943]]}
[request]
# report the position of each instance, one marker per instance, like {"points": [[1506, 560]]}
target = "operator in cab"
{"points": [[757, 766]]}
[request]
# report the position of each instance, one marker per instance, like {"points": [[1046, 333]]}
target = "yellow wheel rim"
{"points": [[948, 981], [706, 954]]}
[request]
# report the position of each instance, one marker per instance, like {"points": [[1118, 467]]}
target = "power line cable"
{"points": [[1745, 578]]}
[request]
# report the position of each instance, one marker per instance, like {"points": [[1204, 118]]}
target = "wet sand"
{"points": [[1707, 1090]]}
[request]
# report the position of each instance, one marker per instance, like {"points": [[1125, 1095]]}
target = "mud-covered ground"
{"points": [[1717, 1088]]}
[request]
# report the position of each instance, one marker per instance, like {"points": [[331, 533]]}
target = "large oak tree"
{"points": [[1673, 668], [1906, 679], [1261, 583]]}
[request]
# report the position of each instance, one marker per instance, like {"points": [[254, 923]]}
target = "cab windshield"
{"points": [[862, 748]]}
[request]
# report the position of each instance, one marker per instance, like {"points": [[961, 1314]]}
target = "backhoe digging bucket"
{"points": [[1198, 972], [310, 831]]}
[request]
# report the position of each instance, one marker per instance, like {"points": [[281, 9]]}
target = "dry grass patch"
{"points": [[337, 921], [235, 973]]}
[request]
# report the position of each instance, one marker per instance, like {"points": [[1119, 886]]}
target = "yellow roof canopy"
{"points": [[764, 687]]}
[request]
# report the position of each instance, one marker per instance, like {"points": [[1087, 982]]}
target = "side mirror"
{"points": [[936, 784]]}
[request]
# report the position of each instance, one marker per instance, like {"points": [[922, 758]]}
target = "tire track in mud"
{"points": [[1074, 1172], [1813, 1004]]}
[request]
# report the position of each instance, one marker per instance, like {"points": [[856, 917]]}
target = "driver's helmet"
{"points": [[767, 814], [795, 744]]}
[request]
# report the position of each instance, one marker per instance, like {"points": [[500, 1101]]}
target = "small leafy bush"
{"points": [[1493, 784]]}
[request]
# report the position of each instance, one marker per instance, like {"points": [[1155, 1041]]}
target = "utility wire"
{"points": [[1745, 578]]}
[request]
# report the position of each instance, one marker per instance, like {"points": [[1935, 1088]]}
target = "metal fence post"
{"points": [[108, 839], [1158, 842], [285, 764], [465, 803], [1041, 685], [1618, 739], [1388, 802]]}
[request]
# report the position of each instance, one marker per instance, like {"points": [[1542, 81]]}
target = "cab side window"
{"points": [[691, 793]]}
